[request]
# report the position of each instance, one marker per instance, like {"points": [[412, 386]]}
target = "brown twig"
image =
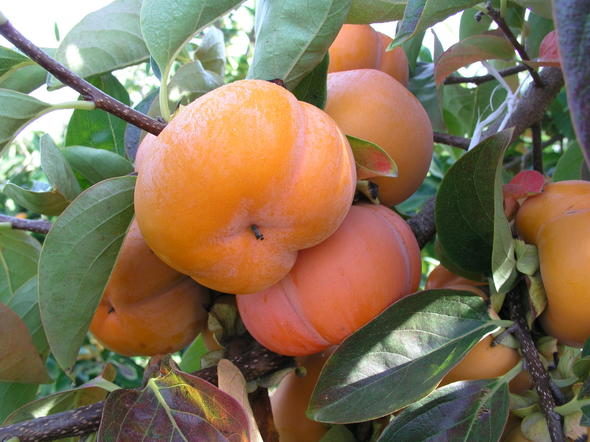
{"points": [[451, 140], [479, 79], [503, 26], [422, 224], [537, 147], [32, 225], [88, 91], [534, 366]]}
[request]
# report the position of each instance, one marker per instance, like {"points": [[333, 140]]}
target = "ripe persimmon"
{"points": [[147, 308], [239, 181], [361, 47], [371, 105], [291, 399], [338, 286]]}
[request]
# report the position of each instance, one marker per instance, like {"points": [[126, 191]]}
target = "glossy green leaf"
{"points": [[313, 88], [58, 171], [112, 30], [470, 26], [20, 360], [419, 15], [572, 20], [371, 160], [423, 87], [16, 111], [412, 48], [569, 165], [97, 128], [471, 49], [462, 411], [292, 38], [167, 27], [39, 199], [538, 27], [25, 304], [76, 260], [400, 356], [96, 164], [174, 406], [465, 205], [191, 358], [14, 395], [375, 11], [19, 254], [539, 7]]}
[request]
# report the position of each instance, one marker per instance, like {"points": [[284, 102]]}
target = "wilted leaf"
{"points": [[293, 38], [76, 260], [97, 164], [174, 406], [525, 183], [462, 411], [375, 11], [58, 171], [40, 199], [19, 359], [313, 88], [400, 356], [19, 254], [474, 48], [371, 160], [112, 30]]}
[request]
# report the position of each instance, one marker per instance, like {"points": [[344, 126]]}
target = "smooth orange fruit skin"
{"points": [[246, 154], [361, 47], [338, 286], [291, 399], [564, 255], [369, 104], [147, 307], [555, 200], [441, 277]]}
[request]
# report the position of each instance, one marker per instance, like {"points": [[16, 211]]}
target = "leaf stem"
{"points": [[76, 104], [163, 96]]}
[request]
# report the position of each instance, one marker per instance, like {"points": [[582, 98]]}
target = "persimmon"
{"points": [[369, 104], [291, 399], [239, 181], [338, 286], [441, 277], [147, 308], [361, 47], [555, 200], [564, 256]]}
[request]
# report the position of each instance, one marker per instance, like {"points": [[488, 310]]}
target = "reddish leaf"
{"points": [[19, 359], [469, 50], [525, 183], [174, 406], [548, 52], [371, 160]]}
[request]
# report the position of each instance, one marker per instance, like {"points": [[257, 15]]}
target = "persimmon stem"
{"points": [[257, 233]]}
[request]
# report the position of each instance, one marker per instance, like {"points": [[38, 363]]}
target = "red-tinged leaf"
{"points": [[525, 183], [19, 359], [548, 52], [371, 160], [474, 48], [174, 406]]}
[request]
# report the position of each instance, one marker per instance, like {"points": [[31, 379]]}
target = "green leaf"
{"points": [[76, 260], [412, 49], [419, 15], [191, 358], [465, 205], [313, 88], [174, 406], [527, 257], [25, 304], [20, 73], [338, 433], [538, 28], [407, 350], [292, 38], [133, 134], [16, 111], [470, 26], [20, 360], [97, 128], [475, 48], [539, 7], [375, 11], [462, 411], [423, 87], [10, 59], [19, 254], [167, 27], [572, 20], [569, 165], [40, 199], [211, 51], [96, 164], [14, 395], [371, 160], [58, 171], [112, 30]]}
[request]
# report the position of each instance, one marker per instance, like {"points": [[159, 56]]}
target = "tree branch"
{"points": [[479, 79], [422, 224], [537, 147], [88, 91], [451, 140], [32, 225]]}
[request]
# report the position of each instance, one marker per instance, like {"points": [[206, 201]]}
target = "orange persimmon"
{"points": [[338, 286]]}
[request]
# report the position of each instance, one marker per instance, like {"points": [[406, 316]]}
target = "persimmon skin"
{"points": [[338, 286], [291, 399], [564, 256], [147, 307], [369, 104], [244, 158], [441, 277], [555, 200], [361, 47]]}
